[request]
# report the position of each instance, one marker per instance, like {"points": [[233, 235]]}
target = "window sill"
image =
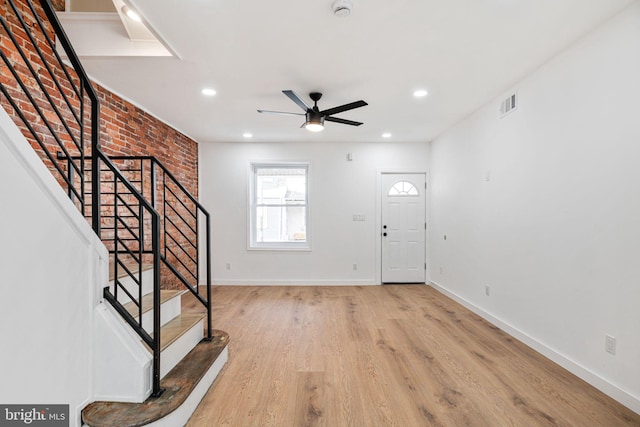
{"points": [[280, 247]]}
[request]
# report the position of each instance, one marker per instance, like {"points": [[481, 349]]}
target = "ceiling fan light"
{"points": [[314, 127], [315, 121]]}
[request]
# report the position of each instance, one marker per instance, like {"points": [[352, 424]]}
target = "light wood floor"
{"points": [[384, 356]]}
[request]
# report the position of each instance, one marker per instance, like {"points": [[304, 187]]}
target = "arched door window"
{"points": [[403, 188]]}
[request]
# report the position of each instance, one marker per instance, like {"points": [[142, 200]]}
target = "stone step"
{"points": [[184, 387]]}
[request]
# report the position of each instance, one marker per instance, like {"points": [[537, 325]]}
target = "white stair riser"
{"points": [[168, 311], [174, 353], [132, 287]]}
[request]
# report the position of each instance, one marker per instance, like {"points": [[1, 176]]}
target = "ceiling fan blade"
{"points": [[343, 121], [280, 112], [345, 107], [295, 98]]}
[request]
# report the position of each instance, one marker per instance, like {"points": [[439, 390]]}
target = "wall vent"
{"points": [[508, 105]]}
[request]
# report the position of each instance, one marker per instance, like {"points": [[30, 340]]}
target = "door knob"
{"points": [[384, 226], [384, 234]]}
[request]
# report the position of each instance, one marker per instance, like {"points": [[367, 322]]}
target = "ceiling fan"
{"points": [[314, 118]]}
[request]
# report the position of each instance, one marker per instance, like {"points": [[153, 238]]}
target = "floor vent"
{"points": [[508, 105]]}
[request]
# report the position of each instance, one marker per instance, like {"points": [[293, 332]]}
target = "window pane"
{"points": [[281, 186], [281, 224], [279, 206]]}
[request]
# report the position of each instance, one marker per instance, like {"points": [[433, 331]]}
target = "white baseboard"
{"points": [[627, 399], [251, 282]]}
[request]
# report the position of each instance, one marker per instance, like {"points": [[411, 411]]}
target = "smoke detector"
{"points": [[342, 7]]}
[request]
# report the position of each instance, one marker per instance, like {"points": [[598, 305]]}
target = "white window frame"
{"points": [[252, 204]]}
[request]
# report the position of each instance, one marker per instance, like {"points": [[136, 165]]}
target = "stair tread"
{"points": [[176, 327], [147, 301], [178, 385]]}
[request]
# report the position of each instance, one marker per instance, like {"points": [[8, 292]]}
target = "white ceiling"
{"points": [[464, 52]]}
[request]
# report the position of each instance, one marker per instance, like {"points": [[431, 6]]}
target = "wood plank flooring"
{"points": [[401, 355]]}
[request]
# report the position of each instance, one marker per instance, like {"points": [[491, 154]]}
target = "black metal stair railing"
{"points": [[183, 222], [54, 103], [184, 227]]}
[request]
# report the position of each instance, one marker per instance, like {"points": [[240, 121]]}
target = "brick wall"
{"points": [[125, 130], [128, 130]]}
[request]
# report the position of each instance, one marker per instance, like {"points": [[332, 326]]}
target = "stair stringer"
{"points": [[122, 365]]}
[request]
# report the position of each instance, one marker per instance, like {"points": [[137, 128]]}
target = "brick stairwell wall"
{"points": [[125, 130], [128, 130]]}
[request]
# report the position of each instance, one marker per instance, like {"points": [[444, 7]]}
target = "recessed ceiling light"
{"points": [[132, 14], [247, 135], [208, 91], [386, 135], [420, 93], [342, 7]]}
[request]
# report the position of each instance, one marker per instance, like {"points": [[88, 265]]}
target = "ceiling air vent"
{"points": [[508, 105]]}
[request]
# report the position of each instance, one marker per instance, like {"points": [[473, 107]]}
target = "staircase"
{"points": [[179, 332], [189, 365], [185, 386], [154, 358]]}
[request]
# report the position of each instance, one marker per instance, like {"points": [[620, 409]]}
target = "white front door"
{"points": [[403, 228]]}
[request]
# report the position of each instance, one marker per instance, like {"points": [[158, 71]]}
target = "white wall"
{"points": [[338, 189], [48, 261], [544, 206]]}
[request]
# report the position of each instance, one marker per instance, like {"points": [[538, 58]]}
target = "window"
{"points": [[279, 206], [403, 188]]}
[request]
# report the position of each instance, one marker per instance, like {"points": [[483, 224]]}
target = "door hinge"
{"points": [[425, 225], [425, 265]]}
